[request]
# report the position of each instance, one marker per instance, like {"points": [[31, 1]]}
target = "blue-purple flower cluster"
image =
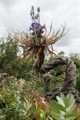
{"points": [[37, 27]]}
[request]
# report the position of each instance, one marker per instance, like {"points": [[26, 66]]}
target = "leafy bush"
{"points": [[10, 62], [64, 109], [78, 83], [20, 102], [17, 104]]}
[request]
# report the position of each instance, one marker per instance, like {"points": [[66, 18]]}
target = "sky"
{"points": [[15, 15]]}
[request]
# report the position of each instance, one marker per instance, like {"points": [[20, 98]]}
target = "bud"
{"points": [[36, 17], [32, 17], [32, 10], [38, 9]]}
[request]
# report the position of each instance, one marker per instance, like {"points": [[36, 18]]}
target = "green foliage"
{"points": [[64, 109], [10, 62], [8, 52], [57, 77], [76, 60], [78, 82], [18, 99], [61, 53], [17, 104], [20, 68]]}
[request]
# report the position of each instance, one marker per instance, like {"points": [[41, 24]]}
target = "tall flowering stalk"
{"points": [[36, 28]]}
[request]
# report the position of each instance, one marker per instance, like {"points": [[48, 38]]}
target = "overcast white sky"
{"points": [[14, 14]]}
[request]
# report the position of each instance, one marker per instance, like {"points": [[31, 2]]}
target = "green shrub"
{"points": [[64, 109], [78, 83], [17, 104]]}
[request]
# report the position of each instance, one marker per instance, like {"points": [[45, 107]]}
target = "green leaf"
{"points": [[69, 102], [72, 114], [42, 115], [56, 107], [60, 101], [58, 116]]}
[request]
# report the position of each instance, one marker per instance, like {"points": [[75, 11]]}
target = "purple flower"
{"points": [[30, 28], [37, 26], [41, 27]]}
